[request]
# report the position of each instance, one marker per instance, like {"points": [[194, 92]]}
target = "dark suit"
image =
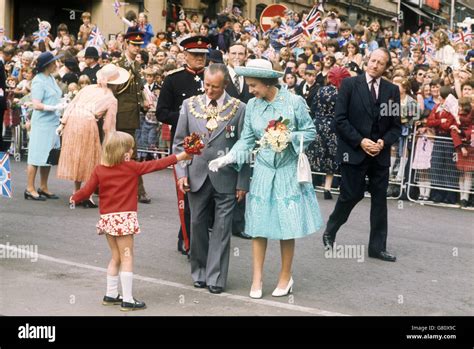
{"points": [[238, 220], [226, 36], [91, 73], [310, 93], [243, 96], [358, 116]]}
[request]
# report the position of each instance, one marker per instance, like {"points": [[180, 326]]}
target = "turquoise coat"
{"points": [[43, 123], [278, 207]]}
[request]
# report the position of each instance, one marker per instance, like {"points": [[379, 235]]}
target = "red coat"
{"points": [[463, 139], [119, 184], [435, 117]]}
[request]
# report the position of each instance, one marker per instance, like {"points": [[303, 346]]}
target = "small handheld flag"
{"points": [[5, 175]]}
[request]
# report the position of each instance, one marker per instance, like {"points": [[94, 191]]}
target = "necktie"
{"points": [[213, 103], [237, 83], [372, 89]]}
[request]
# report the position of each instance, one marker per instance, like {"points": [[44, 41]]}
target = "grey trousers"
{"points": [[210, 252]]}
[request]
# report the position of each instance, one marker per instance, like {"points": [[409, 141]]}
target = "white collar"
{"points": [[220, 100], [368, 78]]}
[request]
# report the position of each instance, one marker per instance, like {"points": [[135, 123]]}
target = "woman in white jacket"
{"points": [[445, 54]]}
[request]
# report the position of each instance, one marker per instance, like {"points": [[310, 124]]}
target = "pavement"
{"points": [[65, 273]]}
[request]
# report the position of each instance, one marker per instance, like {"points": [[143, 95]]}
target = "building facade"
{"points": [[19, 16]]}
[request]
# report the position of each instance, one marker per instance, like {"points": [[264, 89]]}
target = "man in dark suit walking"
{"points": [[238, 89], [367, 124]]}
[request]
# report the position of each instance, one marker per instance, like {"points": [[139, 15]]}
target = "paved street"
{"points": [[434, 274]]}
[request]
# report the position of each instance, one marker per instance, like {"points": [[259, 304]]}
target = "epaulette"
{"points": [[174, 71]]}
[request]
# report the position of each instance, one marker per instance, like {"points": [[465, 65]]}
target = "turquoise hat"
{"points": [[258, 68]]}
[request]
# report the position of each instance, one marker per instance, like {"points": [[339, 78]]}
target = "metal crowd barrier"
{"points": [[433, 163]]}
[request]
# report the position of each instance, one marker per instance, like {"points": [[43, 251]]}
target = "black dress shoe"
{"points": [[328, 241], [28, 195], [144, 199], [49, 196], [200, 284], [383, 255], [242, 235], [215, 289], [327, 195], [135, 305], [112, 301]]}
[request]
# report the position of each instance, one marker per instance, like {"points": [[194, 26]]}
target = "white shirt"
{"points": [[233, 74], [220, 101], [376, 86]]}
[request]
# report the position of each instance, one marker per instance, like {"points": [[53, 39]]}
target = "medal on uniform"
{"points": [[197, 78], [230, 132]]}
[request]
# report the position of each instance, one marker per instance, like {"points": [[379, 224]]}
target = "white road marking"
{"points": [[274, 304]]}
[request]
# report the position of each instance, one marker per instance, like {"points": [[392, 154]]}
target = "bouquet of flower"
{"points": [[277, 135], [193, 144]]}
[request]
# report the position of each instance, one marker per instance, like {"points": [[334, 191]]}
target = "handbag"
{"points": [[53, 157], [304, 169]]}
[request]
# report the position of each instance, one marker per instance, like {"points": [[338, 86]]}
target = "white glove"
{"points": [[57, 107], [216, 164]]}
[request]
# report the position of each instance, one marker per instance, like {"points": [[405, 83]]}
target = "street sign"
{"points": [[269, 12]]}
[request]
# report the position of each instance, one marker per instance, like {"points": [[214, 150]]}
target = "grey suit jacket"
{"points": [[227, 179]]}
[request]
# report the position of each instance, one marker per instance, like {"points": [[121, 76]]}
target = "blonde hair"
{"points": [[84, 79], [115, 146]]}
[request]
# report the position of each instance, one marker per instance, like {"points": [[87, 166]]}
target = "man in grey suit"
{"points": [[219, 119]]}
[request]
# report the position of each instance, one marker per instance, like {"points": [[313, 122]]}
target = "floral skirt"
{"points": [[118, 224]]}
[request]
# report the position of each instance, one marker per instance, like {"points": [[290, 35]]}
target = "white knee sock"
{"points": [[126, 278], [112, 286]]}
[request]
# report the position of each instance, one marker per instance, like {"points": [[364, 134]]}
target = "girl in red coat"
{"points": [[463, 139], [117, 178], [443, 170]]}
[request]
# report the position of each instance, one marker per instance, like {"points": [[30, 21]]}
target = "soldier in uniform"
{"points": [[179, 85], [130, 98]]}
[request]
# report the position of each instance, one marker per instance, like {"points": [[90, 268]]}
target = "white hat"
{"points": [[112, 74], [258, 68]]}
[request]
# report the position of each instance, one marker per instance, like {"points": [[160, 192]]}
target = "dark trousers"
{"points": [[141, 187], [352, 191]]}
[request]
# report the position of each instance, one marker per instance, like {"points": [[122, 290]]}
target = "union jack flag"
{"points": [[95, 38], [5, 175], [308, 27], [465, 37], [117, 5], [312, 20]]}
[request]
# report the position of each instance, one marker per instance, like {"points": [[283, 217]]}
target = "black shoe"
{"points": [[136, 305], [215, 289], [327, 195], [49, 196], [242, 235], [328, 241], [464, 203], [28, 195], [200, 284], [89, 204], [144, 199], [383, 255], [112, 301]]}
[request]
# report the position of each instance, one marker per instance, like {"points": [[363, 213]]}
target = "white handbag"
{"points": [[304, 169]]}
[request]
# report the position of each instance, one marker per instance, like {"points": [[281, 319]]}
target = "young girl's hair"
{"points": [[84, 79], [114, 148]]}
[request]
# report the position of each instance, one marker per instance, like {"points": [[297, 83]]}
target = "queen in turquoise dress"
{"points": [[278, 207]]}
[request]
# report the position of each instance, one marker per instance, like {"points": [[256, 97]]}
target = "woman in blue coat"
{"points": [[278, 206], [46, 98]]}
